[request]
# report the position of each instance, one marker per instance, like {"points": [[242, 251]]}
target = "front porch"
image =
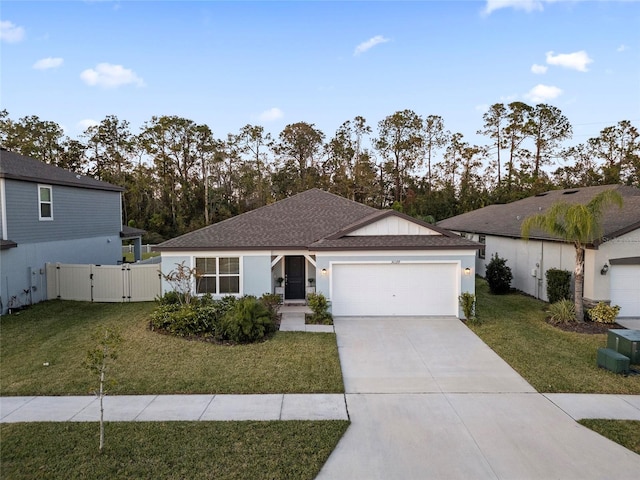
{"points": [[293, 277]]}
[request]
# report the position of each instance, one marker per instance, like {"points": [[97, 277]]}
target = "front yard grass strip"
{"points": [[59, 332], [624, 432], [169, 450], [551, 360]]}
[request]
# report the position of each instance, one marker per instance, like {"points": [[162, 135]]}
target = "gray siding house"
{"points": [[50, 215]]}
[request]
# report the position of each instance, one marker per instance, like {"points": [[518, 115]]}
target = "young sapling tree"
{"points": [[98, 361]]}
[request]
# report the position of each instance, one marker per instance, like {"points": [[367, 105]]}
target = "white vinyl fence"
{"points": [[144, 248], [103, 283]]}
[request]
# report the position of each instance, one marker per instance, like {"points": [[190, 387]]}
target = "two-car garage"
{"points": [[395, 288]]}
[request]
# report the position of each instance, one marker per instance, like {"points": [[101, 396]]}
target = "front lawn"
{"points": [[550, 359], [169, 450], [60, 333]]}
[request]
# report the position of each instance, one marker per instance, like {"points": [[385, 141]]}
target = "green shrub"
{"points": [[185, 320], [170, 298], [319, 306], [272, 301], [604, 313], [248, 320], [498, 275], [468, 303], [562, 311], [558, 285]]}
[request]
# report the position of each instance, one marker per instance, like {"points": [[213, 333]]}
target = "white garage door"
{"points": [[625, 289], [394, 289]]}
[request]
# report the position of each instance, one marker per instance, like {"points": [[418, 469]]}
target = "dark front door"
{"points": [[294, 278]]}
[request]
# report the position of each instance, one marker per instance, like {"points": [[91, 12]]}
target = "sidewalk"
{"points": [[582, 405], [152, 408]]}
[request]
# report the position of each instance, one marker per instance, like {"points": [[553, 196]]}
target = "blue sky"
{"points": [[228, 64]]}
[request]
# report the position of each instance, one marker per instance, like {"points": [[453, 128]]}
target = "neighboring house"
{"points": [[612, 264], [51, 215], [365, 261]]}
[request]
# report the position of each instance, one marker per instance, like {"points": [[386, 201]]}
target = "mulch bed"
{"points": [[586, 327]]}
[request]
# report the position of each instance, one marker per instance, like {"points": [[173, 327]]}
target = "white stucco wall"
{"points": [[529, 261], [597, 286], [525, 257]]}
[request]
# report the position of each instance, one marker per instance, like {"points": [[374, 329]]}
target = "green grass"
{"points": [[624, 432], [550, 359], [169, 450], [60, 332]]}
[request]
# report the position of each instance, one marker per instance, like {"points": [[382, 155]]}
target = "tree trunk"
{"points": [[579, 283], [101, 408]]}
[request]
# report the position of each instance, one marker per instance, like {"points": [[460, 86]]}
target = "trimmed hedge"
{"points": [[558, 285], [498, 275]]}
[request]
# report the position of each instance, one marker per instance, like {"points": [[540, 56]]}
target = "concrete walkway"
{"points": [[428, 399], [151, 408], [292, 319]]}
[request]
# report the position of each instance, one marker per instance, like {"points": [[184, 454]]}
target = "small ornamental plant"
{"points": [[604, 313], [468, 304], [562, 311]]}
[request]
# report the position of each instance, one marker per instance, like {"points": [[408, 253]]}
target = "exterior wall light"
{"points": [[323, 272], [467, 271], [604, 269]]}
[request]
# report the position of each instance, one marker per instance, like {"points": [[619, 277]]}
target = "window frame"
{"points": [[42, 202], [217, 275], [482, 253]]}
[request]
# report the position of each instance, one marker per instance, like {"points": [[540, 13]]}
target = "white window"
{"points": [[483, 240], [45, 201], [218, 275]]}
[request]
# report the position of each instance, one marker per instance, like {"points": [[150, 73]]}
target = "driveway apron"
{"points": [[428, 399]]}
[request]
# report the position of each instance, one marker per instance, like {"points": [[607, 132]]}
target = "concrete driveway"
{"points": [[429, 400]]}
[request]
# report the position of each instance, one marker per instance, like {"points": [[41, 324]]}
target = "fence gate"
{"points": [[103, 283]]}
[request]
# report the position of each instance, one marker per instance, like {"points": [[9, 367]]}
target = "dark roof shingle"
{"points": [[309, 220], [19, 167], [505, 220]]}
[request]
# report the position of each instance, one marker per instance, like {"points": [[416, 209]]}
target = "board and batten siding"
{"points": [[77, 213]]}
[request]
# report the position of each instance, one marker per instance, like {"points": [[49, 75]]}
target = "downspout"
{"points": [[541, 269]]}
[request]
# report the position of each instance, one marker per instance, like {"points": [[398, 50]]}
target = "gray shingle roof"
{"points": [[505, 220], [301, 222], [18, 167]]}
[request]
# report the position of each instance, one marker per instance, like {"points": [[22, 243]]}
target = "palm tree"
{"points": [[578, 224]]}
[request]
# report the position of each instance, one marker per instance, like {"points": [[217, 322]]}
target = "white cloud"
{"points": [[110, 76], [539, 69], [622, 48], [47, 63], [86, 123], [271, 115], [372, 42], [575, 61], [543, 93], [526, 5], [10, 33]]}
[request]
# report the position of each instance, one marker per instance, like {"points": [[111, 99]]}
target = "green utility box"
{"points": [[626, 342], [613, 361]]}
